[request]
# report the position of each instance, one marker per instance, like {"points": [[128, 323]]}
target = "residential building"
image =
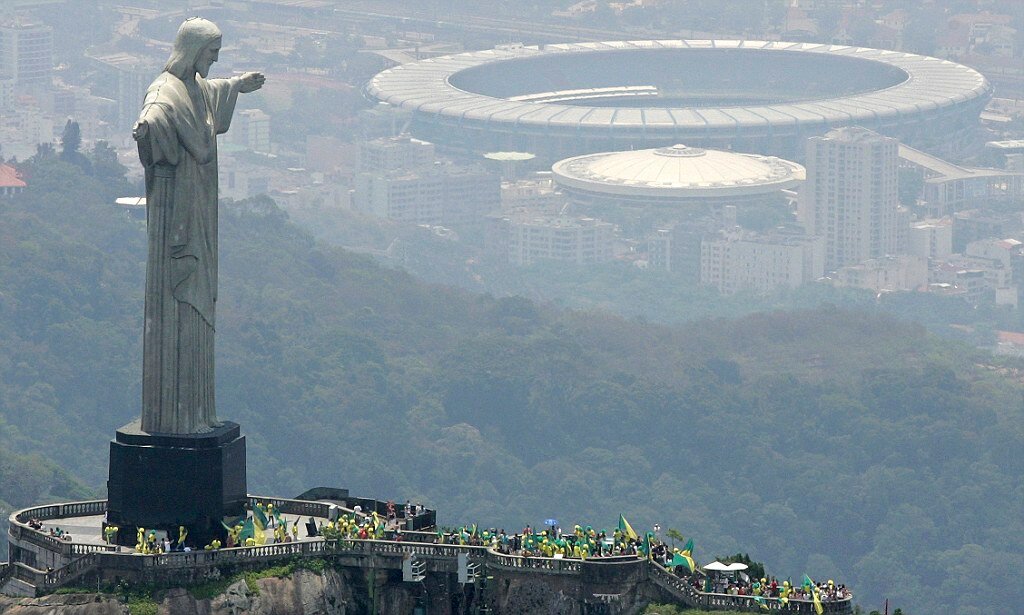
{"points": [[976, 224], [530, 194], [525, 239], [26, 53], [737, 260], [127, 77], [391, 154], [931, 239], [851, 195], [251, 129], [446, 194], [889, 273]]}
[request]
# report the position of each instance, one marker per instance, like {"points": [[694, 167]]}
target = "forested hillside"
{"points": [[837, 443]]}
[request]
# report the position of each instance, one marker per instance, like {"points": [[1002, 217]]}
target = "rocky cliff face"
{"points": [[67, 604], [355, 592], [302, 593]]}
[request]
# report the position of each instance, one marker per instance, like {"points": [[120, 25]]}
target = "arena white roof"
{"points": [[932, 84], [677, 173]]}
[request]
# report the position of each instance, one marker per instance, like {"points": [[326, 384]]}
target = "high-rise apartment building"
{"points": [[26, 53], [851, 195]]}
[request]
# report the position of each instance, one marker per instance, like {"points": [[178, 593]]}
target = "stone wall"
{"points": [[351, 591]]}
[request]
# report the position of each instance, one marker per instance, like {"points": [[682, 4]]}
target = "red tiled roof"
{"points": [[1011, 337], [9, 177]]}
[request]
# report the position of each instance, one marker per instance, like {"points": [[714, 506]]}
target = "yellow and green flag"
{"points": [[682, 558], [626, 528], [259, 522]]}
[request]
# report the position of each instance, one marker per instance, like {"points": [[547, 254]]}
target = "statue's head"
{"points": [[195, 48]]}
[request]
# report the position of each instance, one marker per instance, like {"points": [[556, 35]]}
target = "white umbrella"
{"points": [[717, 566]]}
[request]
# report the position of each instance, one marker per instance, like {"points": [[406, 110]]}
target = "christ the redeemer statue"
{"points": [[177, 138]]}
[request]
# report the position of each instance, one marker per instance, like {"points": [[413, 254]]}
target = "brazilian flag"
{"points": [[688, 549], [682, 559], [626, 528]]}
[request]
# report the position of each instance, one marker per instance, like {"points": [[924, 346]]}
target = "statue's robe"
{"points": [[179, 152]]}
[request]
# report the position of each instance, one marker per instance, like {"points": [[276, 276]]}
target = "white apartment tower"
{"points": [[851, 195], [26, 53]]}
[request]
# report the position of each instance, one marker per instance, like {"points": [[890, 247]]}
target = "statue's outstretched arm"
{"points": [[250, 82]]}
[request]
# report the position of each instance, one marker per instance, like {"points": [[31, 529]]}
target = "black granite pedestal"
{"points": [[162, 481]]}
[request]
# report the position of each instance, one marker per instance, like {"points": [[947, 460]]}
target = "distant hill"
{"points": [[837, 443]]}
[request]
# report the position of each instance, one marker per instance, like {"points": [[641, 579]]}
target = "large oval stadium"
{"points": [[754, 96]]}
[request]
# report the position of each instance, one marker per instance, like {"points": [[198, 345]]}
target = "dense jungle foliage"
{"points": [[843, 444]]}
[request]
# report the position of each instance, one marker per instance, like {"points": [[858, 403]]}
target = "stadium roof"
{"points": [[932, 84], [677, 172]]}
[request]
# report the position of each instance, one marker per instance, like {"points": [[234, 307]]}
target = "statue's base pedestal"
{"points": [[162, 481]]}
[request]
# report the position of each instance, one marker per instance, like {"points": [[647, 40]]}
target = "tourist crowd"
{"points": [[770, 587]]}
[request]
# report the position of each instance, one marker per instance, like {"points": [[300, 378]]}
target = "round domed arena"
{"points": [[675, 176], [752, 96]]}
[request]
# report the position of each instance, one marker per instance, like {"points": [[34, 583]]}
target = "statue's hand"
{"points": [[250, 82], [140, 130]]}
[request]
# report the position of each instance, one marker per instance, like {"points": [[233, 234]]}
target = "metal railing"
{"points": [[545, 564], [676, 586], [303, 508], [686, 593], [748, 603], [20, 531], [60, 511]]}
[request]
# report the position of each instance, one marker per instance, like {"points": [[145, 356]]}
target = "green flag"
{"points": [[689, 547], [259, 518], [247, 531]]}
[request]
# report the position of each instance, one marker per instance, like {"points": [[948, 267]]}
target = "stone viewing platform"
{"points": [[412, 568]]}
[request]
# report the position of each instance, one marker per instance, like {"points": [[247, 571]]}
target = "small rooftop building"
{"points": [[10, 182]]}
